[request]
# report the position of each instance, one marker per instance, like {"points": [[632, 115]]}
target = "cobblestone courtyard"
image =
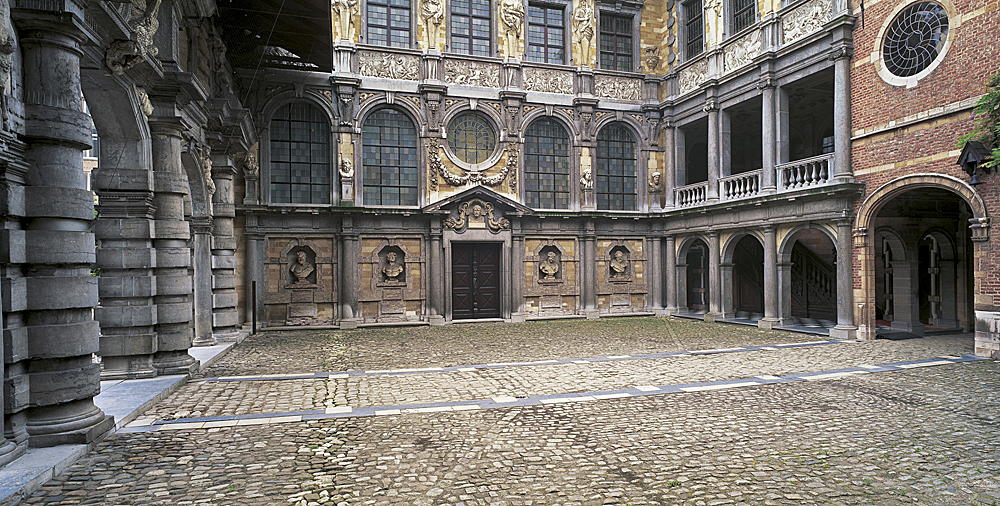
{"points": [[612, 411]]}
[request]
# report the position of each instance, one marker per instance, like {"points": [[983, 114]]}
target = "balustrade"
{"points": [[815, 171], [741, 186], [691, 195]]}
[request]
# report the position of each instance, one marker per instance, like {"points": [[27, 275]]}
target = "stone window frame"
{"points": [[277, 102], [572, 156], [414, 15], [626, 9], [731, 11], [494, 48], [640, 185], [682, 32], [498, 150], [421, 173], [567, 8], [954, 22]]}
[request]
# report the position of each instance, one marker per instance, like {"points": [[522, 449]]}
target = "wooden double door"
{"points": [[475, 280]]}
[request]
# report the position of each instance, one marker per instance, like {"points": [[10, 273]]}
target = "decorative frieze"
{"points": [[472, 73], [743, 51], [618, 88], [548, 81], [689, 78], [477, 214], [389, 65], [805, 19], [470, 176]]}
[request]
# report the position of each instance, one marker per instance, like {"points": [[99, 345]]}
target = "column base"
{"points": [[710, 317], [591, 314], [768, 323], [229, 336], [75, 422], [10, 451], [436, 320], [204, 341], [517, 318], [128, 367], [348, 324], [844, 332], [87, 436], [175, 362]]}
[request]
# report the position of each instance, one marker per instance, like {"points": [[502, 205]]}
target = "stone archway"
{"points": [[864, 237]]}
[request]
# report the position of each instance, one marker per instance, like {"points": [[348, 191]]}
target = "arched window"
{"points": [[390, 159], [614, 165], [546, 165], [300, 155]]}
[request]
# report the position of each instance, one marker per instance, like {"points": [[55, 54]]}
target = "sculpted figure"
{"points": [[6, 49], [654, 181], [302, 268], [433, 13], [512, 17], [346, 169], [392, 268], [583, 25], [619, 265], [343, 18], [587, 180], [549, 266]]}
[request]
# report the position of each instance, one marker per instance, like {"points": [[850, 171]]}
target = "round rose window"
{"points": [[915, 39], [472, 137]]}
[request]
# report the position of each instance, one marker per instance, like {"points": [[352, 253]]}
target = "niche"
{"points": [[392, 267], [302, 267], [550, 269], [619, 265]]}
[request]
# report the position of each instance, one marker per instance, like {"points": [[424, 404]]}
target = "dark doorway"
{"points": [[748, 276], [697, 278], [475, 280]]}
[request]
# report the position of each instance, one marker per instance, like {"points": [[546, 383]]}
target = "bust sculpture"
{"points": [[587, 180], [302, 268], [549, 266], [392, 268], [619, 265]]}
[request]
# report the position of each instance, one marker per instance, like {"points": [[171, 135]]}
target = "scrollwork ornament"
{"points": [[477, 210], [434, 164]]}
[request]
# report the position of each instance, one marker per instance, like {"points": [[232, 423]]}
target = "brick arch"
{"points": [[873, 204]]}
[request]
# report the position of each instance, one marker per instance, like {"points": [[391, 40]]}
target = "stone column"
{"points": [[766, 87], [254, 269], [842, 113], [225, 316], [588, 272], [60, 332], [770, 319], [670, 261], [517, 272], [201, 259], [785, 289], [845, 328], [349, 278], [435, 303], [656, 274], [728, 308], [714, 138], [669, 169], [714, 272], [174, 305], [782, 146]]}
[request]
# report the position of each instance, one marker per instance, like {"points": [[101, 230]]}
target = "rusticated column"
{"points": [[225, 316], [174, 304], [60, 332]]}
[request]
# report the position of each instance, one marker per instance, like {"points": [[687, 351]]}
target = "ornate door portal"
{"points": [[475, 280]]}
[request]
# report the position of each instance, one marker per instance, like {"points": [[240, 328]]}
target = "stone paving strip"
{"points": [[151, 424], [294, 393]]}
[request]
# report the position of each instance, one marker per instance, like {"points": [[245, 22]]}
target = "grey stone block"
{"points": [[15, 345], [126, 316], [227, 243], [124, 229], [170, 182], [57, 202], [60, 341], [119, 287], [224, 262], [180, 340], [126, 258], [225, 318], [58, 292], [12, 246], [16, 396], [224, 281], [225, 299], [123, 179], [132, 344], [14, 293], [171, 229], [181, 312], [56, 387], [173, 285], [173, 257], [60, 247]]}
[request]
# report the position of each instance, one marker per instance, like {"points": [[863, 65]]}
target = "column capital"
{"points": [[842, 52]]}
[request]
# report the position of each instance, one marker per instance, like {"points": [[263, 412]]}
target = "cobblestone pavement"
{"points": [[923, 435]]}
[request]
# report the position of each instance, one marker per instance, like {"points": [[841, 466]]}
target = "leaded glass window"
{"points": [[546, 34], [616, 42], [915, 38], [389, 23], [470, 27], [472, 137], [694, 29], [546, 165], [615, 169], [744, 14], [300, 155], [389, 159]]}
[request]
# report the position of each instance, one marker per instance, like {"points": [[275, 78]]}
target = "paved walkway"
{"points": [[625, 411]]}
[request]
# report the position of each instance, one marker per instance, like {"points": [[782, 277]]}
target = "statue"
{"points": [[587, 180], [433, 13], [619, 265], [583, 25], [654, 181], [6, 50], [392, 268], [549, 266], [250, 163], [343, 19], [302, 268], [346, 169], [511, 17], [206, 167]]}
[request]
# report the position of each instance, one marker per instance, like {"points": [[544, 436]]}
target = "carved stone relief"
{"points": [[743, 51], [344, 12], [691, 77], [122, 55], [477, 214], [549, 268], [474, 177], [434, 165], [432, 12], [389, 66], [145, 13], [6, 50], [511, 20], [472, 73], [393, 263], [651, 58], [619, 267], [619, 88], [548, 81], [206, 167], [303, 267], [805, 19]]}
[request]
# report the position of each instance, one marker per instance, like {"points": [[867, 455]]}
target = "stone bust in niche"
{"points": [[619, 265], [393, 269], [302, 268], [549, 267]]}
